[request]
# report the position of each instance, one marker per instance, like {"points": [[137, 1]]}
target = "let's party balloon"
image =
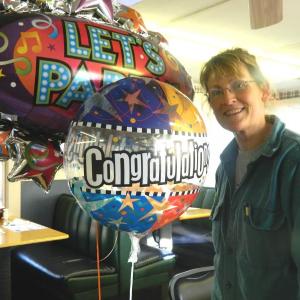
{"points": [[137, 155], [49, 65]]}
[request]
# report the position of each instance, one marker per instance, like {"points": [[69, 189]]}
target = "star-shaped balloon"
{"points": [[36, 160], [5, 130], [157, 38], [130, 18]]}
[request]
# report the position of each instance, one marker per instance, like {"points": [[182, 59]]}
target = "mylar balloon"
{"points": [[137, 154], [103, 8], [133, 19], [5, 130], [50, 64], [33, 159]]}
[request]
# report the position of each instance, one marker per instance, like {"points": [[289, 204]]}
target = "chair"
{"points": [[194, 284]]}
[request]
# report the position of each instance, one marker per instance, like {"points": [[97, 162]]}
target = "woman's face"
{"points": [[238, 103]]}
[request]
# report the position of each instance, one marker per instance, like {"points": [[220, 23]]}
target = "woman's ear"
{"points": [[266, 91]]}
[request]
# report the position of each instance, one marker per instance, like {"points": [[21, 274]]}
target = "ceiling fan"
{"points": [[264, 13]]}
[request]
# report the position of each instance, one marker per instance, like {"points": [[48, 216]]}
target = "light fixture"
{"points": [[129, 2]]}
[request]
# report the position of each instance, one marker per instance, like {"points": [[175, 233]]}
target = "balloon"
{"points": [[103, 8], [131, 18], [5, 130], [36, 160], [157, 37], [49, 65], [136, 155]]}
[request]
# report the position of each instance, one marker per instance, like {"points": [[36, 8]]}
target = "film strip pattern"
{"points": [[137, 193], [138, 130]]}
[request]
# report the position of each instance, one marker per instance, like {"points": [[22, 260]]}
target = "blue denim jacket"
{"points": [[256, 228]]}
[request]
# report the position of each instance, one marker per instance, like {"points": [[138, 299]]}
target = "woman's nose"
{"points": [[229, 96]]}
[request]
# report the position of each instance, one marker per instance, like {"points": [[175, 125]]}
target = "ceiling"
{"points": [[198, 29]]}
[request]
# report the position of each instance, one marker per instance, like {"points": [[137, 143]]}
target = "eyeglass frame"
{"points": [[232, 90]]}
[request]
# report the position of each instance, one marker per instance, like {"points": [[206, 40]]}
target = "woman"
{"points": [[256, 212]]}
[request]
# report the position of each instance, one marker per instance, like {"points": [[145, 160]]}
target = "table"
{"points": [[195, 213], [9, 239]]}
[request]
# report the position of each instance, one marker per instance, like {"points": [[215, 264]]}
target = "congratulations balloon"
{"points": [[50, 64], [137, 155]]}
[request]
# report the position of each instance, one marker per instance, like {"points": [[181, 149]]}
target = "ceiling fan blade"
{"points": [[264, 13]]}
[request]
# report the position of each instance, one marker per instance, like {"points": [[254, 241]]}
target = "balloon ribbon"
{"points": [[98, 260]]}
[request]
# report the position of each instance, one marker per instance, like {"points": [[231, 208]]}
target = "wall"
{"points": [[288, 111], [12, 193], [25, 199], [37, 205]]}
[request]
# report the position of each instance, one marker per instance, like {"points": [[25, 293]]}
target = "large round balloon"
{"points": [[50, 64], [137, 154]]}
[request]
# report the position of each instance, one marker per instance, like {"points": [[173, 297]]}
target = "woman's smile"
{"points": [[233, 112]]}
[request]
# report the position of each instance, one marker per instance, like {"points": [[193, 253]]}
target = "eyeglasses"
{"points": [[237, 87]]}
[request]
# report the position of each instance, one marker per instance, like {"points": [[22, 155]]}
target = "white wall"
{"points": [[288, 111]]}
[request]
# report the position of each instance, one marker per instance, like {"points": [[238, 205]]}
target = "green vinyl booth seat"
{"points": [[67, 269]]}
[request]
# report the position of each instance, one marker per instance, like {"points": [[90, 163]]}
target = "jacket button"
{"points": [[228, 285]]}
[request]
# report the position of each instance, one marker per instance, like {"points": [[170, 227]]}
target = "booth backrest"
{"points": [[70, 218], [192, 241], [205, 198], [67, 269]]}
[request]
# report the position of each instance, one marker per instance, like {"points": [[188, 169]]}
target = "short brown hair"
{"points": [[228, 62]]}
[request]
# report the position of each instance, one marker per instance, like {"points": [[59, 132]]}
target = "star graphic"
{"points": [[118, 222], [107, 107], [128, 201], [51, 47], [175, 97], [132, 100], [158, 207], [168, 109], [1, 74]]}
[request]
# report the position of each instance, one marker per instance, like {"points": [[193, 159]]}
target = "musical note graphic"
{"points": [[48, 23], [26, 36], [26, 61]]}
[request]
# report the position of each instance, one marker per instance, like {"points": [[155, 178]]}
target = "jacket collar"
{"points": [[268, 149]]}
